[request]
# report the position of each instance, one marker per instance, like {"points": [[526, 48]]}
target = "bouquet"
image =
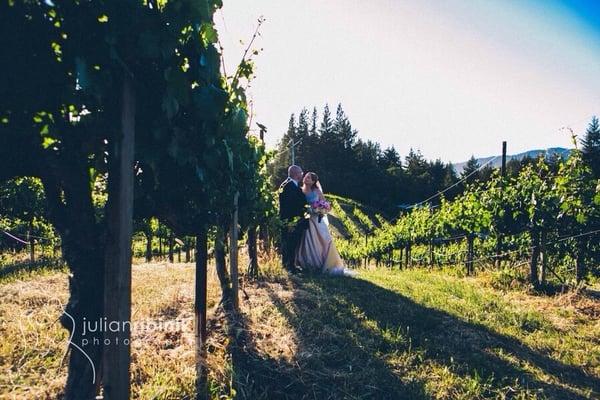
{"points": [[321, 208]]}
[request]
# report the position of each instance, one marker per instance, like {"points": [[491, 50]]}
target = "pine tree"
{"points": [[416, 165], [313, 122], [326, 128], [513, 167], [450, 179], [390, 159], [291, 131], [288, 139], [278, 169], [485, 173], [302, 130], [469, 170], [418, 185], [302, 149], [437, 170], [343, 129], [591, 147]]}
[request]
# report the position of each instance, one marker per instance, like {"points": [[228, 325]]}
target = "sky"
{"points": [[450, 78]]}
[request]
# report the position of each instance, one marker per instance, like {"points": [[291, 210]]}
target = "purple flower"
{"points": [[321, 207]]}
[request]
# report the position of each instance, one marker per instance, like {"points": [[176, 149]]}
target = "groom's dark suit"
{"points": [[292, 204]]}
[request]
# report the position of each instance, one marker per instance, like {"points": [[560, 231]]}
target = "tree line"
{"points": [[360, 169]]}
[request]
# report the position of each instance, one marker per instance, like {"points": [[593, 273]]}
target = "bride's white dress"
{"points": [[317, 251]]}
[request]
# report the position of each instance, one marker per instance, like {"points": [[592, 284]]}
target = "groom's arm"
{"points": [[286, 202], [283, 202]]}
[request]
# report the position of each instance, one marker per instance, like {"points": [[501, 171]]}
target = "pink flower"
{"points": [[321, 207]]}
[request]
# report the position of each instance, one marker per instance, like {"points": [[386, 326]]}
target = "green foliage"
{"points": [[22, 213], [61, 105], [348, 224], [537, 207], [364, 219], [62, 111], [22, 198]]}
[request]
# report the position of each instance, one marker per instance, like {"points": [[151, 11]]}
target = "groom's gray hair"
{"points": [[292, 169]]}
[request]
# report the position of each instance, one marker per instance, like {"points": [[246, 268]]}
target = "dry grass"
{"points": [[411, 334], [33, 341]]}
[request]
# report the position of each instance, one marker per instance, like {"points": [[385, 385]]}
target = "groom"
{"points": [[292, 204]]}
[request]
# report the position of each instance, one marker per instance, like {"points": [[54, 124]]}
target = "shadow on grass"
{"points": [[328, 365], [343, 353], [10, 270]]}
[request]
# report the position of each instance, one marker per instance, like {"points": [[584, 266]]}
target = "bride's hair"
{"points": [[315, 178]]}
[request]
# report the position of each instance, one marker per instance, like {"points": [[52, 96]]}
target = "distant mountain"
{"points": [[550, 152]]}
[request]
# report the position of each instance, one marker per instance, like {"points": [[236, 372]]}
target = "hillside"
{"points": [[497, 163], [413, 334]]}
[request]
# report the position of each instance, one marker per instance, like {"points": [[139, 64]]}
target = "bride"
{"points": [[317, 251]]}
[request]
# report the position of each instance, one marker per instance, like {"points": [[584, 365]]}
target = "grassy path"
{"points": [[387, 335], [416, 334]]}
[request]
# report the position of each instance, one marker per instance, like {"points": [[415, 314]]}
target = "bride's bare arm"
{"points": [[321, 195]]}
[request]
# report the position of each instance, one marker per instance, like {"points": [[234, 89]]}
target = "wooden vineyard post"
{"points": [[503, 175], [533, 263], [431, 256], [31, 241], [148, 248], [401, 256], [252, 252], [117, 274], [580, 266], [263, 234], [188, 257], [160, 244], [233, 253], [171, 246], [469, 263], [366, 250], [544, 255], [263, 229], [200, 292]]}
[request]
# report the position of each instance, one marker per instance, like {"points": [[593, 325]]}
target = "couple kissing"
{"points": [[306, 242]]}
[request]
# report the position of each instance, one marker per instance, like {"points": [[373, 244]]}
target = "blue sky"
{"points": [[450, 78]]}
